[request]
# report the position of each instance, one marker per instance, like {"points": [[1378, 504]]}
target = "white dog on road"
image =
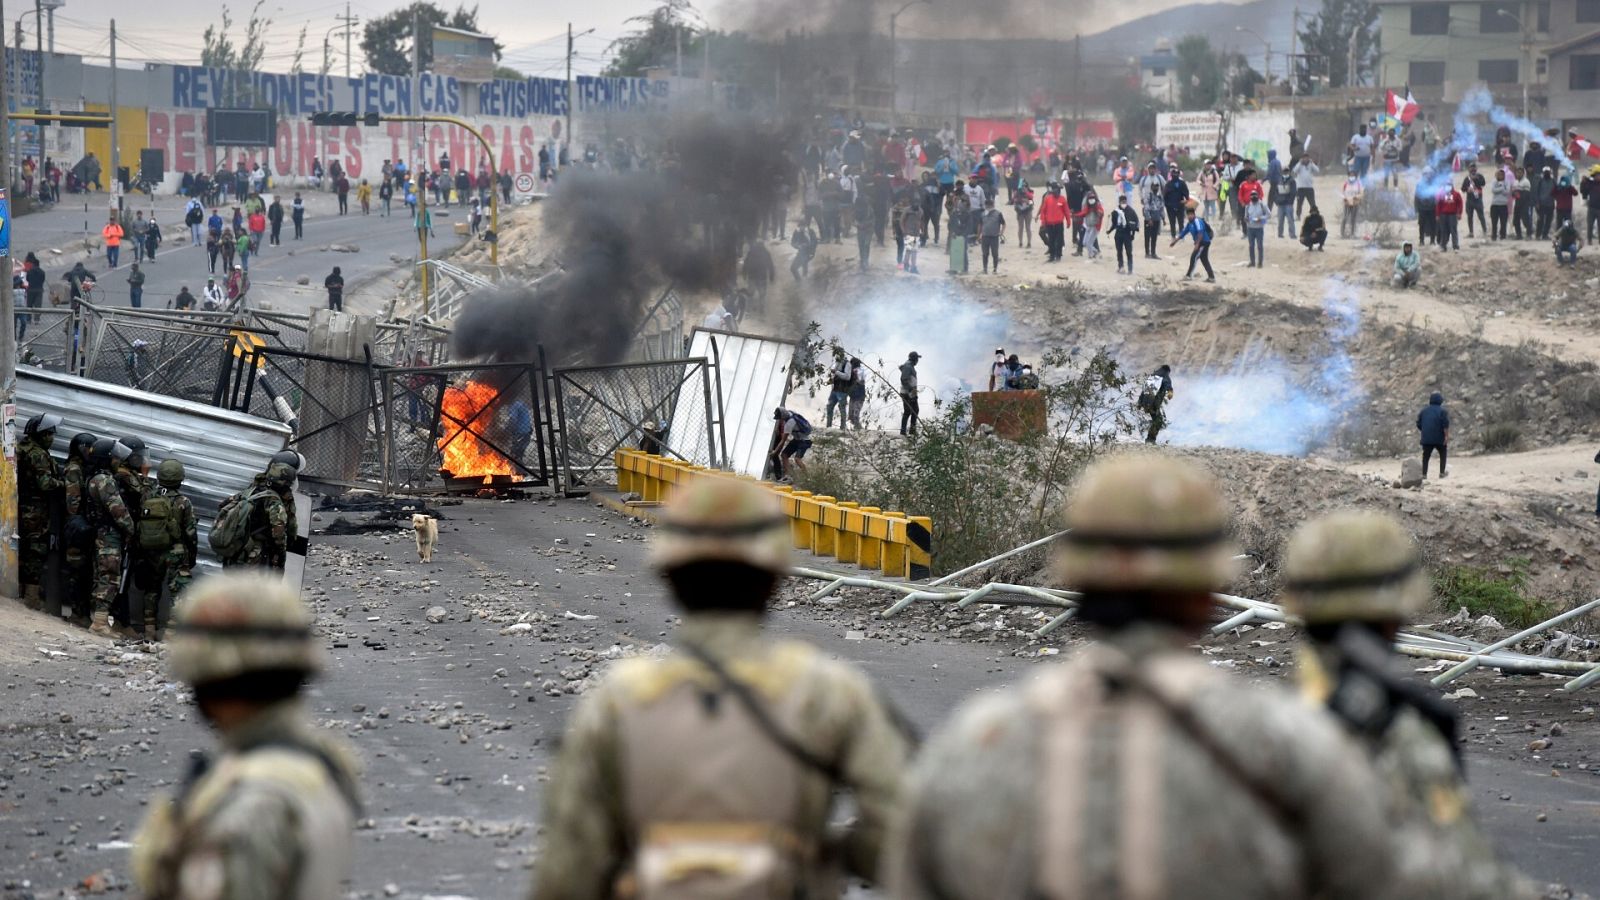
{"points": [[427, 529]]}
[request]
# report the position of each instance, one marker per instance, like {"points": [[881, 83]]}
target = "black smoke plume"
{"points": [[623, 238]]}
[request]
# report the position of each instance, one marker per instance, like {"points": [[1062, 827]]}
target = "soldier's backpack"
{"points": [[230, 533], [158, 527]]}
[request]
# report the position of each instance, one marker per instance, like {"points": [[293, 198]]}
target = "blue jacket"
{"points": [[1434, 420], [1197, 228]]}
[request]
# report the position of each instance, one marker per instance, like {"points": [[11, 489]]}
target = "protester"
{"points": [[992, 226], [1124, 226], [1447, 216], [1313, 231], [1434, 424], [1472, 185], [1200, 230], [1022, 208], [909, 408], [1305, 191], [1256, 216], [335, 286], [1407, 267], [112, 233], [1567, 243], [1499, 204], [1052, 222], [1351, 192]]}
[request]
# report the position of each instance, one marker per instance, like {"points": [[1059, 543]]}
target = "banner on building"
{"points": [[983, 132], [1255, 132], [1200, 132]]}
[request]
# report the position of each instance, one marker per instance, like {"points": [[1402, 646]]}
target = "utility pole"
{"points": [[8, 376], [38, 52], [116, 149], [423, 166], [349, 26], [1077, 90], [570, 98]]}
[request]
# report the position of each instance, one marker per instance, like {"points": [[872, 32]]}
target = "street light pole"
{"points": [[1267, 60], [1527, 56]]}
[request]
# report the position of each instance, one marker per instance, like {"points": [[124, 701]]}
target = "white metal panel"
{"points": [[751, 379], [220, 450]]}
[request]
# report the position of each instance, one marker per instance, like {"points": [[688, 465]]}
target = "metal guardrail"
{"points": [[890, 542]]}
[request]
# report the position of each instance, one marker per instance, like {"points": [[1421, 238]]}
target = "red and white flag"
{"points": [[1403, 109], [1582, 146]]}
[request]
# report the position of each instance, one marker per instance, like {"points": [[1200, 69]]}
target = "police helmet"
{"points": [[135, 447], [231, 624], [289, 458], [42, 423], [723, 519], [100, 452], [1353, 566], [81, 442], [1144, 522]]}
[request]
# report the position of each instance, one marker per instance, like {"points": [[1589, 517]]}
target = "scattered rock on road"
{"points": [[436, 614]]}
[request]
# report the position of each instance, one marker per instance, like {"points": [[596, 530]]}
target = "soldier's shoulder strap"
{"points": [[335, 771], [763, 717]]}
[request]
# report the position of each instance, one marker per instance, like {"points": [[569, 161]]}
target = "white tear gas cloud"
{"points": [[1263, 402], [954, 332], [1476, 121]]}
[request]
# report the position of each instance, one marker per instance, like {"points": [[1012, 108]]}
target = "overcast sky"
{"points": [[534, 33]]}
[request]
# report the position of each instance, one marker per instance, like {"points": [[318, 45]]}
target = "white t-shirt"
{"points": [[1362, 144], [717, 320]]}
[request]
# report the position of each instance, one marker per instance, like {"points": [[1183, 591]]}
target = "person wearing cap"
{"points": [[1355, 579], [909, 409], [273, 814], [167, 545], [1135, 769], [1407, 267], [38, 486], [712, 771], [997, 370], [114, 528]]}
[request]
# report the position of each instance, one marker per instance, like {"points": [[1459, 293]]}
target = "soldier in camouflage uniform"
{"points": [[168, 544], [271, 818], [1356, 578], [38, 484], [272, 521], [710, 772], [77, 564], [114, 526], [1135, 769]]}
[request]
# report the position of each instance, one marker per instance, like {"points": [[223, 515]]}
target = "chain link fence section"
{"points": [[452, 426], [331, 404], [600, 409], [178, 354], [49, 338]]}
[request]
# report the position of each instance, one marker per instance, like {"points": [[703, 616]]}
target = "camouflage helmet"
{"points": [[232, 624], [289, 458], [280, 475], [1145, 522], [720, 519], [1353, 565], [170, 473]]}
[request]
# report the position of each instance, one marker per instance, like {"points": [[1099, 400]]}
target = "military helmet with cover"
{"points": [[280, 475], [233, 624], [1353, 566], [1144, 522], [170, 473], [289, 458], [723, 519]]}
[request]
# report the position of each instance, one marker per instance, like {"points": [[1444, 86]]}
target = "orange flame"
{"points": [[465, 454]]}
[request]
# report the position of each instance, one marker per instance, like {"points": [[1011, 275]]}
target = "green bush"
{"points": [[1501, 438], [1489, 592]]}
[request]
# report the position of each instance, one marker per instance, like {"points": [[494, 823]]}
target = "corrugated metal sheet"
{"points": [[753, 378], [220, 450]]}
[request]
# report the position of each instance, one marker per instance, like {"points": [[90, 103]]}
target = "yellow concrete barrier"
{"points": [[892, 542]]}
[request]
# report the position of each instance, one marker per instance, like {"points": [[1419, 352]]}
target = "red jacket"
{"points": [[1448, 203], [1053, 209], [1249, 190]]}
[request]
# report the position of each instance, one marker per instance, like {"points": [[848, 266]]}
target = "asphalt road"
{"points": [[369, 273], [455, 720]]}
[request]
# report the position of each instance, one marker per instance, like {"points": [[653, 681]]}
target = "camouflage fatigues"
{"points": [[113, 526], [272, 527], [171, 570], [1084, 785], [78, 572], [629, 773], [1447, 854], [38, 480], [271, 818]]}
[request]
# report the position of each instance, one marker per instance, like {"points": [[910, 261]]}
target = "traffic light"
{"points": [[345, 118]]}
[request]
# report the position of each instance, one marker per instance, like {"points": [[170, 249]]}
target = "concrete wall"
{"points": [[1460, 50]]}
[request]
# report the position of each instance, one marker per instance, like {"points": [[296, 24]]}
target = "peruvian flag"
{"points": [[1582, 146], [1403, 109]]}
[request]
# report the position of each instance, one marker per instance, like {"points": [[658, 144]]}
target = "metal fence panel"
{"points": [[603, 408], [220, 450], [450, 425], [751, 379], [50, 338]]}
